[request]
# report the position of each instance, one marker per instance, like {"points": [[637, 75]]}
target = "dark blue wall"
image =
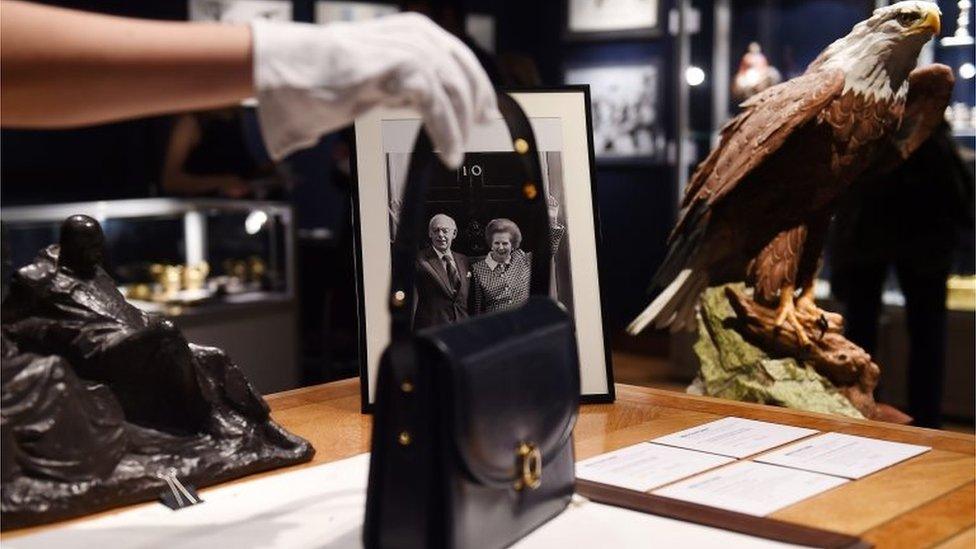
{"points": [[793, 32]]}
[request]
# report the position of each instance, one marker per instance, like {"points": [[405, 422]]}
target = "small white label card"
{"points": [[843, 455], [644, 466], [752, 488], [735, 437]]}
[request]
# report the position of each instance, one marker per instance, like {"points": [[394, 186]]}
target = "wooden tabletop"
{"points": [[923, 502]]}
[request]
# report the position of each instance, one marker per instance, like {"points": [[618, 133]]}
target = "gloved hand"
{"points": [[312, 79]]}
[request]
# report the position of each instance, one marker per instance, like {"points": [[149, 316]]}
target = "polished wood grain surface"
{"points": [[930, 523], [963, 540], [923, 502]]}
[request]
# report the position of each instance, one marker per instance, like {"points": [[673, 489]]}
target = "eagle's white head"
{"points": [[880, 51]]}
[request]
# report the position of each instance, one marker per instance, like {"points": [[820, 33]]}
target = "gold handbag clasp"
{"points": [[528, 460]]}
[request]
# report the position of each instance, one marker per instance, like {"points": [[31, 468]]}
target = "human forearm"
{"points": [[63, 68]]}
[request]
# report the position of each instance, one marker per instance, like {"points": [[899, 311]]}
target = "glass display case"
{"points": [[222, 270], [169, 253]]}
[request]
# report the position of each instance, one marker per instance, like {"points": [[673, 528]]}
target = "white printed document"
{"points": [[590, 524], [303, 508], [843, 455], [735, 437], [322, 507], [752, 488], [644, 466]]}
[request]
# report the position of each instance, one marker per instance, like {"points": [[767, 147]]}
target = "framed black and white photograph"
{"points": [[612, 19], [476, 258], [331, 12], [628, 123], [481, 28], [239, 11]]}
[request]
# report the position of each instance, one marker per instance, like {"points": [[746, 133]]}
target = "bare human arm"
{"points": [[63, 68]]}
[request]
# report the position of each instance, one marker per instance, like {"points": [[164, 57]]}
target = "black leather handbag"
{"points": [[472, 436]]}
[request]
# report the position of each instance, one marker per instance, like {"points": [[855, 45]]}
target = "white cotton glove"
{"points": [[312, 79]]}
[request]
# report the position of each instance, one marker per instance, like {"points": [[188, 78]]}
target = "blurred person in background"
{"points": [[910, 221], [208, 155]]}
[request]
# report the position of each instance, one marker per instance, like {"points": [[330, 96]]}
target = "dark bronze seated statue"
{"points": [[100, 400]]}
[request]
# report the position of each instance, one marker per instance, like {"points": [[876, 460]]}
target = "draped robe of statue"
{"points": [[100, 400]]}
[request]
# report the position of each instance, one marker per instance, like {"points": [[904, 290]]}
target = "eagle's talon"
{"points": [[801, 334], [823, 324], [806, 304], [787, 312], [782, 314]]}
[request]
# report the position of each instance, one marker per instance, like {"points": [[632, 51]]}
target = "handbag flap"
{"points": [[509, 378]]}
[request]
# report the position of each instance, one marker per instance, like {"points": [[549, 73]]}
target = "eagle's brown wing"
{"points": [[777, 263], [766, 122], [929, 91], [793, 258]]}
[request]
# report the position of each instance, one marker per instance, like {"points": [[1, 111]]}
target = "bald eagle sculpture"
{"points": [[758, 207]]}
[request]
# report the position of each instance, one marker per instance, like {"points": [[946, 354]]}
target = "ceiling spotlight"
{"points": [[255, 221], [967, 71], [694, 75]]}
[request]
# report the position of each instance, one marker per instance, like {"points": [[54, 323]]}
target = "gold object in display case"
{"points": [[236, 268], [195, 276], [142, 292], [165, 264], [175, 284], [169, 278], [256, 269], [961, 293]]}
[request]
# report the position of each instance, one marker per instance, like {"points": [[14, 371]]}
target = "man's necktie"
{"points": [[452, 272]]}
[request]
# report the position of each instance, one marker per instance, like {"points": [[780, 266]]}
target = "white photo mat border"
{"points": [[570, 106]]}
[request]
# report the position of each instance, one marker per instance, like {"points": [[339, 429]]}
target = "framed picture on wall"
{"points": [[628, 122], [329, 12], [612, 19], [469, 212], [481, 28], [239, 11]]}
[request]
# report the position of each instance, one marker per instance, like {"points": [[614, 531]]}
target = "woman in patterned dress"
{"points": [[501, 280]]}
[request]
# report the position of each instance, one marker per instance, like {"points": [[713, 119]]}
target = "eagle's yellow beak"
{"points": [[932, 21]]}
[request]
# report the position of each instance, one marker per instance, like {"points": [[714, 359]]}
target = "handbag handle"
{"points": [[412, 230]]}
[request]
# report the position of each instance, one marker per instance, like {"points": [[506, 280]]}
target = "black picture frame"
{"points": [[609, 396], [658, 156], [390, 7], [215, 10], [639, 33]]}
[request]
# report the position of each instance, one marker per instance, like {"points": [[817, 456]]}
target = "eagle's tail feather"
{"points": [[675, 306], [684, 316]]}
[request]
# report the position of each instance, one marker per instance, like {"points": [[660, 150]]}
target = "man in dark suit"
{"points": [[443, 277]]}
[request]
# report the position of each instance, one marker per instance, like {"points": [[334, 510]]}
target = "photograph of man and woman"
{"points": [[478, 258]]}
